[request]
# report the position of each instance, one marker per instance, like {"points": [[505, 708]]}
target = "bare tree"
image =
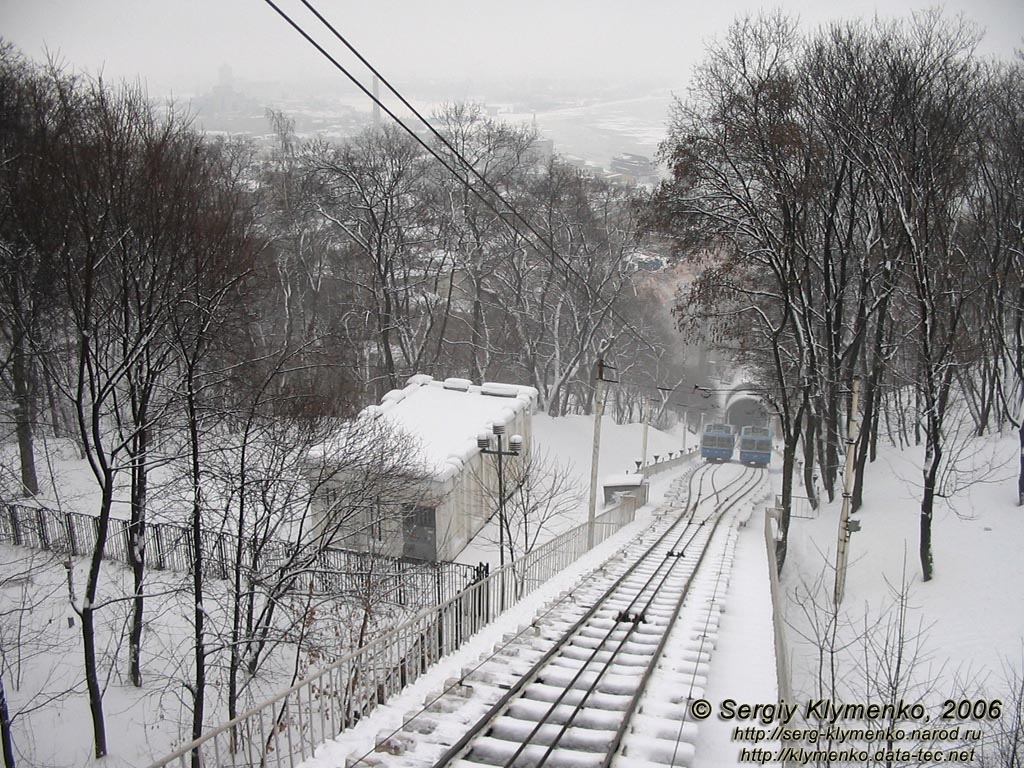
{"points": [[742, 187], [937, 106], [370, 189], [540, 493], [22, 643]]}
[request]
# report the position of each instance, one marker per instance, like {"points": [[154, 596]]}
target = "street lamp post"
{"points": [[515, 446]]}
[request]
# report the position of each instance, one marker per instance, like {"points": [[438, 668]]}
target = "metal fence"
{"points": [[799, 507], [285, 730], [657, 467], [409, 583]]}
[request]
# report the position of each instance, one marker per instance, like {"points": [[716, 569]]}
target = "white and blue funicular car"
{"points": [[756, 446], [718, 442]]}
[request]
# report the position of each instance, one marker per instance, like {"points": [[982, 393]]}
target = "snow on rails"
{"points": [[604, 676]]}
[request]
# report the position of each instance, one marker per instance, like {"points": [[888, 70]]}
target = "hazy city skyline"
{"points": [[183, 46]]}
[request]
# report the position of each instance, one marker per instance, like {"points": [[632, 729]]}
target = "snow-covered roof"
{"points": [[445, 417]]}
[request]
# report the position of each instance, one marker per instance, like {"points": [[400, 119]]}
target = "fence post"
{"points": [[158, 537], [12, 510], [72, 537], [220, 556], [44, 535], [127, 530]]}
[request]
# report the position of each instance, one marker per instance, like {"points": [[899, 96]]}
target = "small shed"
{"points": [[442, 420]]}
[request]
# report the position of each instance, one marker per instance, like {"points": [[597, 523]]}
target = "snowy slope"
{"points": [[974, 606], [972, 611]]}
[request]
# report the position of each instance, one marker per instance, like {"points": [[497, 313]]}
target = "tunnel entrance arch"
{"points": [[747, 412], [744, 407]]}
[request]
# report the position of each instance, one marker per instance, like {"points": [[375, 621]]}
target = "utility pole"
{"points": [[515, 447], [647, 405], [852, 432], [598, 411], [686, 429]]}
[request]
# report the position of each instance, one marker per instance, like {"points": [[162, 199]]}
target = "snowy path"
{"points": [[607, 668]]}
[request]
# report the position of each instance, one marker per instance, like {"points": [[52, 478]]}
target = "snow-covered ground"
{"points": [[566, 445], [972, 611]]}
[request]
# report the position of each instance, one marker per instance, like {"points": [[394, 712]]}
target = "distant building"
{"points": [[543, 150], [457, 496], [636, 169]]}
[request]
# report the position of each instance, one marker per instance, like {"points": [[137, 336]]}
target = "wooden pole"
{"points": [[598, 411], [647, 422]]}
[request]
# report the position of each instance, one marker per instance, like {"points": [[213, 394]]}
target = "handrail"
{"points": [[341, 693], [169, 547]]}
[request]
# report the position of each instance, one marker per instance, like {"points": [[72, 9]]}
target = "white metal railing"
{"points": [[799, 507], [332, 570], [667, 464], [285, 730]]}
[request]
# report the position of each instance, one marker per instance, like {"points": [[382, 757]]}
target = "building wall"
{"points": [[462, 505], [470, 497]]}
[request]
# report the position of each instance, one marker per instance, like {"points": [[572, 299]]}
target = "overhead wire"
{"points": [[470, 169]]}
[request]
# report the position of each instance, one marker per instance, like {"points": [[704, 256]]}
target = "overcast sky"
{"points": [[181, 44]]}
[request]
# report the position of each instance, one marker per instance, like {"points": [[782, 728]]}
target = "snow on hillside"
{"points": [[566, 443], [971, 613], [571, 438], [974, 607]]}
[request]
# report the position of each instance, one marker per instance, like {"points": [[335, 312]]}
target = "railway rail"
{"points": [[624, 653]]}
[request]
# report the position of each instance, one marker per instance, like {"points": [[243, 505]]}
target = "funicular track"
{"points": [[568, 696]]}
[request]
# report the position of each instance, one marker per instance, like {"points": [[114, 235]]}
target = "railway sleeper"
{"points": [[656, 750], [490, 751], [526, 709], [644, 725], [599, 700], [622, 658], [606, 682], [574, 737]]}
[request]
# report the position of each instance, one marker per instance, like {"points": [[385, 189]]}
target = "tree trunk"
{"points": [[236, 583], [812, 495], [831, 437], [867, 436], [137, 550], [1020, 478], [788, 463], [199, 687], [932, 456], [88, 612], [6, 739], [475, 374], [23, 416]]}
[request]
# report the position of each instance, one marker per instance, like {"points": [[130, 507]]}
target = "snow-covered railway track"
{"points": [[630, 647]]}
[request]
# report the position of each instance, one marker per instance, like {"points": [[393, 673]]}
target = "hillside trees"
{"points": [[370, 190], [476, 234], [996, 225], [561, 305], [925, 170], [196, 313], [134, 193], [118, 208], [440, 282], [117, 293], [25, 102], [827, 181], [743, 183]]}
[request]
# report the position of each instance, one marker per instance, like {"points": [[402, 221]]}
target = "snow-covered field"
{"points": [[972, 611], [970, 615]]}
